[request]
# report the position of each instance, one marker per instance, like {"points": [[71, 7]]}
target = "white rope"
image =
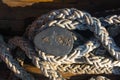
{"points": [[26, 46], [99, 78], [11, 63], [69, 19], [73, 19]]}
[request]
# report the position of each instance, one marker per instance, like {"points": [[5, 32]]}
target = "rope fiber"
{"points": [[90, 57]]}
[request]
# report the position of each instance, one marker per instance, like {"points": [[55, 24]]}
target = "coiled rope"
{"points": [[73, 19], [99, 78], [13, 65]]}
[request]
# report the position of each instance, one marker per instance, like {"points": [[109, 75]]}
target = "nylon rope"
{"points": [[82, 59]]}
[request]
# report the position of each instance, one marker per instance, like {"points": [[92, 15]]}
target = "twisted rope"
{"points": [[11, 63], [73, 19], [26, 46]]}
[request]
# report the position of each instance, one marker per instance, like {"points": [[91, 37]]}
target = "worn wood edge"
{"points": [[23, 3], [34, 70]]}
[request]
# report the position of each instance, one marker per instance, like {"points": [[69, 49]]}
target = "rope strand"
{"points": [[79, 60], [11, 63]]}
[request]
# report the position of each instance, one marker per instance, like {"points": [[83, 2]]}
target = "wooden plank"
{"points": [[71, 76], [42, 8], [21, 17], [23, 3], [5, 74], [37, 71]]}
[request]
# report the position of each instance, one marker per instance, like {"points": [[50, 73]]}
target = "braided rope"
{"points": [[50, 70], [112, 24], [99, 78], [75, 19], [93, 65], [100, 66], [76, 54], [11, 63], [72, 19], [29, 51], [27, 47]]}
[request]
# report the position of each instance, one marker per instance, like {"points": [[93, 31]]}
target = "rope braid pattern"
{"points": [[26, 46], [99, 78], [93, 65], [30, 52], [73, 19], [112, 24], [11, 63]]}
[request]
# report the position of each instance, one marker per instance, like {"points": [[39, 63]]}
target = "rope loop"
{"points": [[79, 60]]}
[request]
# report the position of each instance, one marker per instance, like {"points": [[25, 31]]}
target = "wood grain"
{"points": [[70, 76], [6, 74]]}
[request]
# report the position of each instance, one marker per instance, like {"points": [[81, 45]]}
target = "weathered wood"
{"points": [[5, 73], [23, 3], [70, 76], [16, 19]]}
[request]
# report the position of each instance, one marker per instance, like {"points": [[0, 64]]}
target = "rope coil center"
{"points": [[53, 43]]}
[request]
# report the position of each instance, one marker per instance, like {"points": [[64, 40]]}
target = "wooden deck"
{"points": [[6, 74]]}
